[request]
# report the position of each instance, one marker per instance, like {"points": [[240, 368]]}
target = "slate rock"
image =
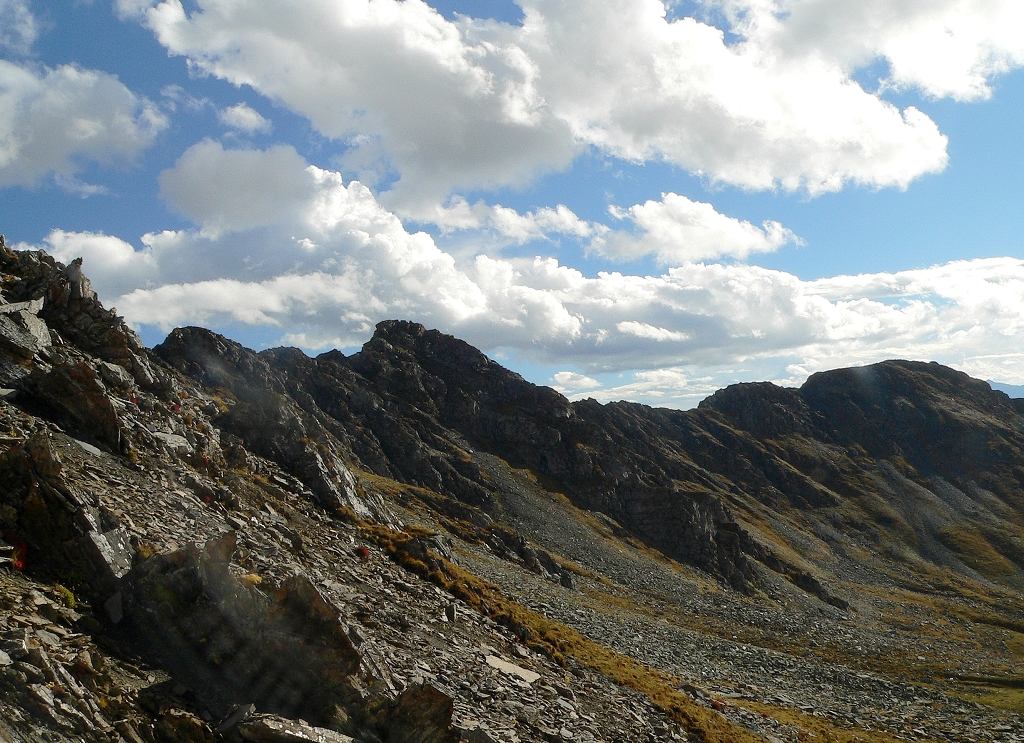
{"points": [[272, 729]]}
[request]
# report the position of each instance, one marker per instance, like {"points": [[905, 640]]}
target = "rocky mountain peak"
{"points": [[762, 408]]}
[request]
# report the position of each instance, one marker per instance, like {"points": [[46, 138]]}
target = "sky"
{"points": [[624, 199]]}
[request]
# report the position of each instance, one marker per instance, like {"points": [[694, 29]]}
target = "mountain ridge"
{"points": [[844, 559]]}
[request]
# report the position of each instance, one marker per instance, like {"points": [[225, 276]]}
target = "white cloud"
{"points": [[324, 270], [945, 48], [453, 106], [669, 387], [677, 230], [509, 225], [244, 119], [174, 96], [53, 121], [232, 190], [651, 332], [403, 86], [569, 382], [19, 27]]}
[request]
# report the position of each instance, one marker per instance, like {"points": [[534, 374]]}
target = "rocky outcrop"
{"points": [[260, 412], [60, 524], [22, 333], [609, 459], [73, 393], [71, 308]]}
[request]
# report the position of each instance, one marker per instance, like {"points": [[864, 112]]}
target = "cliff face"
{"points": [[413, 543]]}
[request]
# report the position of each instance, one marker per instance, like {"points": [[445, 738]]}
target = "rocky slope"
{"points": [[412, 543]]}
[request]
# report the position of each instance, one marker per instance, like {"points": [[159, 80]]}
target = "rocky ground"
{"points": [[413, 544]]}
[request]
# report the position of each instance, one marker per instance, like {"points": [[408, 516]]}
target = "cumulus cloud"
{"points": [[442, 107], [405, 88], [569, 382], [677, 229], [945, 48], [19, 27], [53, 121], [336, 261], [232, 190], [244, 118], [509, 225]]}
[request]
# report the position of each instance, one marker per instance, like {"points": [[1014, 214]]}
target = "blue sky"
{"points": [[618, 198]]}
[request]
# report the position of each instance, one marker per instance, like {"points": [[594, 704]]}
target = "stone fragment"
{"points": [[89, 448], [238, 714], [23, 335], [112, 556], [512, 669], [272, 729], [179, 726], [33, 307], [173, 441], [115, 375]]}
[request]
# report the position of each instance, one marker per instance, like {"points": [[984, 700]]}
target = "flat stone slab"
{"points": [[33, 306], [270, 729], [512, 669], [95, 451]]}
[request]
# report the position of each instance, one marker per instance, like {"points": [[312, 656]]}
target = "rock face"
{"points": [[285, 429], [411, 402]]}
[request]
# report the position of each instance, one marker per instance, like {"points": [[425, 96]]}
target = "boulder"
{"points": [[64, 534], [32, 306], [421, 714], [289, 653], [72, 392]]}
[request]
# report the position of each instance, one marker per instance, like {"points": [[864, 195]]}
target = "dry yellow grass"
{"points": [[1003, 697], [819, 730], [974, 548]]}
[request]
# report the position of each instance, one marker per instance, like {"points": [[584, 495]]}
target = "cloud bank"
{"points": [[453, 106]]}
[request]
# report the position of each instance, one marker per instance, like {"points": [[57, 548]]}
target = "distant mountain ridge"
{"points": [[1013, 390]]}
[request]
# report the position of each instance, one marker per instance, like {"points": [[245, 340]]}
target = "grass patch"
{"points": [[1002, 697], [1015, 644], [817, 729], [974, 548]]}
